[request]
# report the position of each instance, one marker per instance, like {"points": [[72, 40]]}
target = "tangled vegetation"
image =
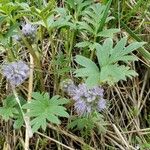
{"points": [[74, 74]]}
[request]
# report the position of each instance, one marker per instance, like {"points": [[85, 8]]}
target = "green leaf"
{"points": [[78, 6], [7, 113], [91, 18], [83, 61], [53, 119], [113, 73], [122, 53], [103, 52], [43, 109], [8, 110], [85, 26], [108, 33], [37, 95], [18, 123], [132, 47], [108, 57], [90, 71], [142, 50]]}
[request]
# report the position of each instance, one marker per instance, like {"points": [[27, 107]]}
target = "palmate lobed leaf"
{"points": [[43, 109], [108, 56]]}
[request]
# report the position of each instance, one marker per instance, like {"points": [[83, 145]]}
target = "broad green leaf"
{"points": [[53, 119], [108, 56], [122, 53], [93, 80], [19, 121], [43, 109], [37, 95], [142, 50]]}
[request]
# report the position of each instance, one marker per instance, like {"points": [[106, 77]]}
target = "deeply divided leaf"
{"points": [[43, 109]]}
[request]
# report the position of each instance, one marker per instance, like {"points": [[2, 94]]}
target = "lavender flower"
{"points": [[28, 29], [86, 100], [15, 72], [101, 104]]}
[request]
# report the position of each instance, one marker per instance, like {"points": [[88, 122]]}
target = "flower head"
{"points": [[86, 100], [28, 29], [15, 72]]}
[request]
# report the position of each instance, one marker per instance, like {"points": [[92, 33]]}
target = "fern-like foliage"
{"points": [[108, 57], [78, 6], [92, 19], [43, 109], [93, 23]]}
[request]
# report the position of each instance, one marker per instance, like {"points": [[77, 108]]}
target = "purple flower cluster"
{"points": [[29, 31], [86, 100], [15, 72]]}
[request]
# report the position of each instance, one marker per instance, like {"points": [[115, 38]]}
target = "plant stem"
{"points": [[28, 127], [71, 45], [37, 61], [30, 89]]}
